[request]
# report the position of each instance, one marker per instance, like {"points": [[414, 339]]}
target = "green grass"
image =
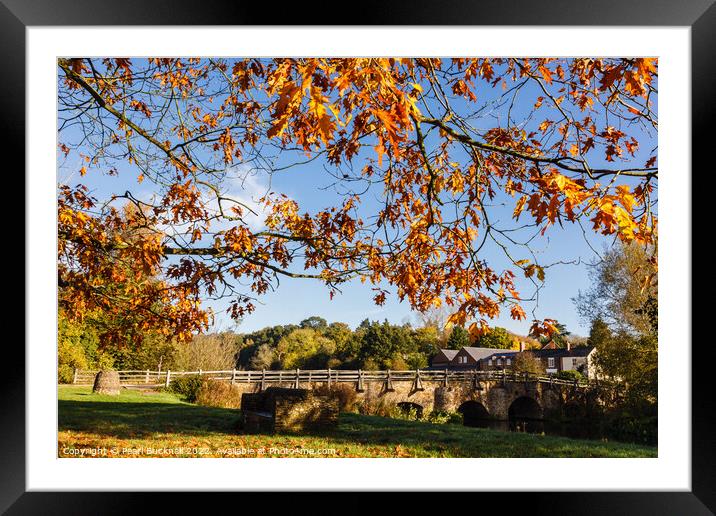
{"points": [[136, 424]]}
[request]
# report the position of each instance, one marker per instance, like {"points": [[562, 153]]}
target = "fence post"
{"points": [[418, 381], [445, 380], [329, 376], [200, 372], [233, 376], [74, 377], [389, 382], [169, 374], [263, 379], [298, 373], [146, 377], [476, 384], [359, 387]]}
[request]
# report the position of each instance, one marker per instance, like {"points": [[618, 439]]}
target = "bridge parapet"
{"points": [[498, 392], [330, 376]]}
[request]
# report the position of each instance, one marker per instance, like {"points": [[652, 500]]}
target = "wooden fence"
{"points": [[296, 376]]}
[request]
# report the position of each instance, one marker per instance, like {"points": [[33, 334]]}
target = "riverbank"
{"points": [[158, 424]]}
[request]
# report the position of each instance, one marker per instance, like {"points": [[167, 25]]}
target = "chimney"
{"points": [[569, 345], [522, 346]]}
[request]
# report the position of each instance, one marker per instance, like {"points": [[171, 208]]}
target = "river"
{"points": [[573, 430]]}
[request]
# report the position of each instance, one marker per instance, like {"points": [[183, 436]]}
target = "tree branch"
{"points": [[559, 162]]}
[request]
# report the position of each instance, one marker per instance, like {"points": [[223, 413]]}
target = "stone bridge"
{"points": [[496, 395], [490, 399]]}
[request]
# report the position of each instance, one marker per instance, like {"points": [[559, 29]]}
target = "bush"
{"points": [[409, 413], [570, 375], [344, 393], [628, 428], [441, 418], [526, 362], [215, 393], [187, 387], [372, 406]]}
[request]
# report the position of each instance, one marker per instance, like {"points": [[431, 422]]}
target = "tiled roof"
{"points": [[581, 351], [481, 353], [449, 353], [485, 353]]}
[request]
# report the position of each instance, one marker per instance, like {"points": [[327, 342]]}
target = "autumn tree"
{"points": [[315, 323], [459, 338], [624, 290], [622, 304], [78, 348], [419, 134], [346, 345], [561, 334], [382, 345], [599, 332], [304, 348], [215, 352], [435, 319], [263, 357], [496, 337], [633, 361], [527, 362]]}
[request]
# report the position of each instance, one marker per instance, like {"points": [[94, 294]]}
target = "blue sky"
{"points": [[310, 186]]}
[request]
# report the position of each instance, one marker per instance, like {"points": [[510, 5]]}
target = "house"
{"points": [[443, 358], [550, 345], [465, 358], [472, 357], [499, 359], [553, 359]]}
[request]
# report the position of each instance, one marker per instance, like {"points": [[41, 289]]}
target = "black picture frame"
{"points": [[699, 15]]}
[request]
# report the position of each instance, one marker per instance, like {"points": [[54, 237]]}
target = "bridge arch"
{"points": [[473, 413], [407, 407], [525, 407], [573, 410]]}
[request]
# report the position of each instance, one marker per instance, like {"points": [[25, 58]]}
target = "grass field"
{"points": [[138, 424]]}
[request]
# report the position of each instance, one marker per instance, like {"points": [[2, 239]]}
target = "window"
{"points": [[509, 361], [574, 362], [550, 362], [499, 361]]}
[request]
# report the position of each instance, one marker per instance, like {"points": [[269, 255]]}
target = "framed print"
{"points": [[416, 253]]}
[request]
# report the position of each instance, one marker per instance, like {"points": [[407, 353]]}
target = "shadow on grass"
{"points": [[457, 440], [125, 420], [355, 433]]}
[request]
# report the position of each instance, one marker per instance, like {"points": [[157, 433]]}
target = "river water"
{"points": [[573, 430]]}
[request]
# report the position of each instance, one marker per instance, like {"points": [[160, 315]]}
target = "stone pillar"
{"points": [[443, 399], [498, 401]]}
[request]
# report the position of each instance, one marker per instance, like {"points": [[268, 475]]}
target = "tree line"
{"points": [[314, 343]]}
